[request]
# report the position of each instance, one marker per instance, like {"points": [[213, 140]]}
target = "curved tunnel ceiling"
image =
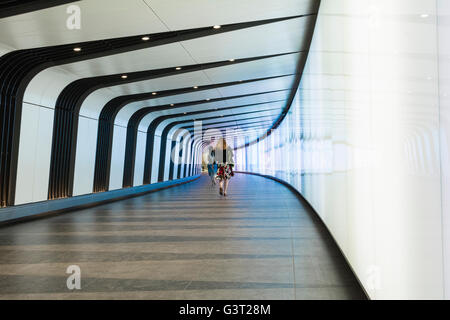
{"points": [[143, 60]]}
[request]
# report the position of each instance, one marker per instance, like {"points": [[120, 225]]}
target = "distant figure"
{"points": [[211, 164], [224, 158]]}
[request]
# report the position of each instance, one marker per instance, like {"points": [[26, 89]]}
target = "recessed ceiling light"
{"points": [[77, 49], [217, 27], [178, 68], [231, 60], [195, 87], [184, 112], [424, 15], [171, 104], [124, 76], [146, 38], [154, 93], [207, 99]]}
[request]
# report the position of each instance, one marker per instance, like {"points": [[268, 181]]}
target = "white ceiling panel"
{"points": [[129, 109], [273, 38], [186, 97], [126, 112], [100, 19], [199, 78], [276, 66], [209, 94], [272, 96], [222, 112], [146, 59], [259, 86], [233, 118], [236, 117], [182, 14], [228, 119], [245, 120], [209, 111], [184, 80], [240, 101]]}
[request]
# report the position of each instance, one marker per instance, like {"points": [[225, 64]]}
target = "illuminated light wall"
{"points": [[366, 141], [444, 96]]}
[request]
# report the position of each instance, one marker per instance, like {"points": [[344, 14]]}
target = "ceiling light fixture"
{"points": [[178, 68], [195, 87], [231, 60], [124, 76], [154, 93], [424, 15], [171, 104], [77, 49], [217, 27], [146, 38]]}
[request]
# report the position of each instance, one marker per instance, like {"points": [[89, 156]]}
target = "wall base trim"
{"points": [[40, 209], [315, 215]]}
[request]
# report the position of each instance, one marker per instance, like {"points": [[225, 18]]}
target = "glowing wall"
{"points": [[365, 141]]}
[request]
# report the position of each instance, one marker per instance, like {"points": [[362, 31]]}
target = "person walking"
{"points": [[225, 163], [211, 164]]}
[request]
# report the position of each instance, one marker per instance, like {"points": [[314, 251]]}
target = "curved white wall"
{"points": [[35, 144], [362, 141]]}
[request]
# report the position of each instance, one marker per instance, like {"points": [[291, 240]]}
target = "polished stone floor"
{"points": [[186, 242]]}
